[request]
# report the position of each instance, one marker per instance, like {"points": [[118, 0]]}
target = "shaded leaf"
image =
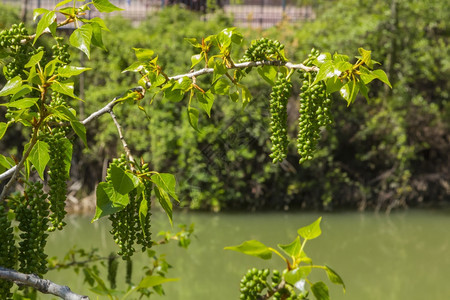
{"points": [[334, 277], [80, 130], [268, 73], [108, 200], [3, 128], [320, 291], [152, 280], [193, 117], [253, 248], [123, 182], [206, 101], [164, 200], [297, 274], [65, 88], [166, 182]]}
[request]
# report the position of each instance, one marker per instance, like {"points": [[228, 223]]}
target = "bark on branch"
{"points": [[42, 285]]}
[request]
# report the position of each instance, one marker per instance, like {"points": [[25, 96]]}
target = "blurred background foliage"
{"points": [[389, 153]]}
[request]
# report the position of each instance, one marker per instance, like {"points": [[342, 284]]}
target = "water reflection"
{"points": [[401, 256]]}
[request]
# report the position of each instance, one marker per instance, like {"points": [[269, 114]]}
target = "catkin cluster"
{"points": [[278, 118], [127, 227], [314, 111], [264, 49], [31, 210]]}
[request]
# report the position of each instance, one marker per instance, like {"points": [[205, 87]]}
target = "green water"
{"points": [[405, 255]]}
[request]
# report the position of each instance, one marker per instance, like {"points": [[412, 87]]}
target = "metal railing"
{"points": [[248, 13]]}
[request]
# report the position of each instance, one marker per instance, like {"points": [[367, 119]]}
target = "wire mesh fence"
{"points": [[248, 13]]}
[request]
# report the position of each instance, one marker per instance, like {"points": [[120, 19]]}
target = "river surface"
{"points": [[402, 256]]}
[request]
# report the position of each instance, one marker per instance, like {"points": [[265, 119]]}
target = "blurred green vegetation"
{"points": [[392, 152]]}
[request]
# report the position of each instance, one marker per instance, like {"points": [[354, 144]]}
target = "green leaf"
{"points": [[5, 163], [11, 87], [68, 149], [39, 157], [50, 67], [47, 19], [366, 57], [143, 211], [80, 130], [193, 42], [297, 274], [221, 87], [193, 117], [253, 248], [39, 11], [166, 182], [246, 96], [108, 200], [206, 101], [364, 90], [195, 59], [62, 3], [34, 59], [219, 70], [327, 70], [320, 291], [333, 84], [105, 6], [292, 249], [22, 103], [143, 54], [234, 96], [224, 38], [334, 277], [3, 128], [69, 71], [81, 39], [153, 280], [123, 182], [311, 231], [65, 88], [164, 200], [349, 92], [268, 73], [381, 75]]}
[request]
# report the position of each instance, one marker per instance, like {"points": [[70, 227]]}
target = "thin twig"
{"points": [[42, 285], [122, 138]]}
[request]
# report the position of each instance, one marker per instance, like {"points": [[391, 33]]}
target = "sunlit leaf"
{"points": [[3, 128], [166, 182], [39, 157], [11, 87], [206, 101], [81, 39], [47, 19], [253, 248], [297, 274], [108, 200], [292, 249], [69, 71], [34, 59], [105, 6], [311, 231], [153, 280]]}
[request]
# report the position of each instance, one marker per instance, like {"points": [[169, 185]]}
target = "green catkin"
{"points": [[264, 49], [314, 112], [58, 177], [31, 211], [7, 251], [113, 264], [278, 118]]}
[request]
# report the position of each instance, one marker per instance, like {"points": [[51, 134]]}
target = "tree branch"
{"points": [[108, 107], [42, 285]]}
